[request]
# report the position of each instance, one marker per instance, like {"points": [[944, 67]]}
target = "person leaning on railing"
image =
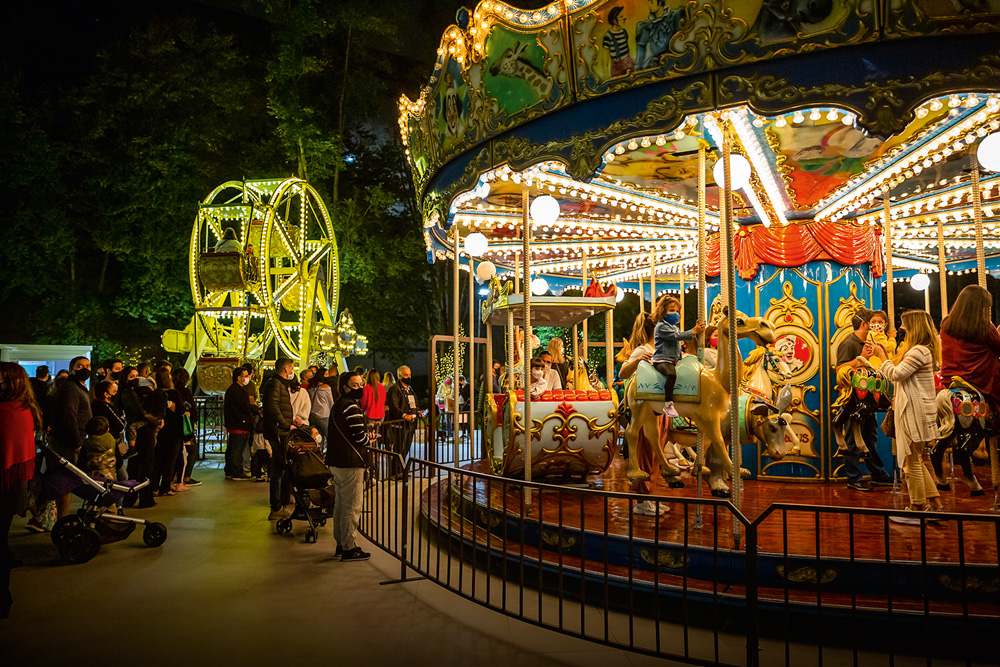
{"points": [[401, 408], [347, 456]]}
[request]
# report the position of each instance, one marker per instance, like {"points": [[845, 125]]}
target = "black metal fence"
{"points": [[210, 429], [797, 585]]}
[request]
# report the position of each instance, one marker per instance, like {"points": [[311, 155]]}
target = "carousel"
{"points": [[265, 283], [778, 167]]}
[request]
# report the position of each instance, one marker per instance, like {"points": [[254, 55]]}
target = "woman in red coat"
{"points": [[970, 344], [373, 398], [20, 417]]}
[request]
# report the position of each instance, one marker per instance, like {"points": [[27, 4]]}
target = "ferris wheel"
{"points": [[264, 278]]}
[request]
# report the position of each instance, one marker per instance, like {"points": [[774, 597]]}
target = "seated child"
{"points": [[667, 339], [538, 384], [879, 333], [99, 450]]}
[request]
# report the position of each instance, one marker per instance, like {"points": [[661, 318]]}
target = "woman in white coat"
{"points": [[914, 409]]}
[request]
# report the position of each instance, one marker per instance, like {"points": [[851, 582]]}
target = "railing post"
{"points": [[752, 585], [403, 542]]}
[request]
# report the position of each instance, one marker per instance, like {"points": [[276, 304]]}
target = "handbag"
{"points": [[889, 423], [187, 429]]}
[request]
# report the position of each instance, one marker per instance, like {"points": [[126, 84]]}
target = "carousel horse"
{"points": [[863, 392], [964, 421], [701, 397]]}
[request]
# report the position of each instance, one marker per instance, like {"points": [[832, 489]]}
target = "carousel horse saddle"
{"points": [[968, 403], [649, 381]]}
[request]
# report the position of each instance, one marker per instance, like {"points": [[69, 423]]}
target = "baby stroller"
{"points": [[312, 486], [79, 536]]}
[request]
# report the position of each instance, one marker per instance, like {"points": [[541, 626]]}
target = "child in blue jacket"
{"points": [[667, 339]]}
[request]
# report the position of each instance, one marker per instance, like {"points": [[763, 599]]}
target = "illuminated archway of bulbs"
{"points": [[620, 227]]}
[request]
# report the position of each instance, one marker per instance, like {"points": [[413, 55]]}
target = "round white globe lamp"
{"points": [[739, 171], [619, 294], [544, 210], [920, 281], [476, 244], [988, 152], [486, 270], [539, 286]]}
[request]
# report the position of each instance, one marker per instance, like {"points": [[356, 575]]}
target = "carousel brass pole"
{"points": [[454, 351], [517, 276], [680, 285], [942, 268], [472, 358], [734, 379], [609, 349], [586, 339], [652, 281], [977, 210], [890, 305], [526, 352], [576, 356], [642, 296], [699, 459], [488, 386]]}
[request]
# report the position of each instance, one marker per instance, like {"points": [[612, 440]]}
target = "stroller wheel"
{"points": [[312, 535], [59, 530], [154, 534], [322, 522], [79, 544], [283, 526]]}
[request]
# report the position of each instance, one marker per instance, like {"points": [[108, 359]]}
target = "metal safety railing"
{"points": [[210, 429], [807, 585]]}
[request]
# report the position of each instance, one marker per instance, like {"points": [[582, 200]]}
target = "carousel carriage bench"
{"points": [[573, 433]]}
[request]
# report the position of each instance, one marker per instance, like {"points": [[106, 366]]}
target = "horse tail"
{"points": [[945, 414]]}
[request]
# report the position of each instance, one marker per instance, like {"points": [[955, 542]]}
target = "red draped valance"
{"points": [[797, 244]]}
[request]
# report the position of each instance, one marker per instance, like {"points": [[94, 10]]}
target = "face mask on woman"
{"points": [[356, 394]]}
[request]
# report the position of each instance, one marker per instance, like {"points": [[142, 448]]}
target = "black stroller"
{"points": [[79, 536], [312, 486]]}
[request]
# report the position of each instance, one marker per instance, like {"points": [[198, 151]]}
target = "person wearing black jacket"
{"points": [[239, 418], [70, 414], [401, 409], [346, 454], [278, 422]]}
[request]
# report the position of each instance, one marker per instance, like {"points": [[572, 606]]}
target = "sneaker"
{"points": [[277, 514], [669, 410], [908, 520], [193, 482], [355, 554], [34, 527], [881, 481], [860, 485], [648, 508], [339, 552]]}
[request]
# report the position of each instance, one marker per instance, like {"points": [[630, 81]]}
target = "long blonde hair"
{"points": [[920, 330], [556, 350], [642, 330]]}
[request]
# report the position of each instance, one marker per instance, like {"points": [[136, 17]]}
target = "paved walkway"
{"points": [[226, 590]]}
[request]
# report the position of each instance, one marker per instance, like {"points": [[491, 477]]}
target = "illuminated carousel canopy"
{"points": [[604, 105]]}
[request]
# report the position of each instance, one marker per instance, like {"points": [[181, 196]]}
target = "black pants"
{"points": [[400, 440], [259, 463], [141, 465], [167, 452], [194, 454], [668, 370], [852, 457], [281, 489]]}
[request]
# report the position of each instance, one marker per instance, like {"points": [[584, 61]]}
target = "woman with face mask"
{"points": [[347, 457]]}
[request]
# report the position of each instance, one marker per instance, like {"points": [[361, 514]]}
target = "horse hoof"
{"points": [[943, 487], [678, 484], [721, 493], [744, 473], [977, 492], [639, 476]]}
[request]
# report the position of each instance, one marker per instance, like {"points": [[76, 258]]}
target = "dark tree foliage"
{"points": [[106, 159]]}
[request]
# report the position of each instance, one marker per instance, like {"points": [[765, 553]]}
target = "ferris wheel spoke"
{"points": [[286, 240], [284, 288], [319, 253]]}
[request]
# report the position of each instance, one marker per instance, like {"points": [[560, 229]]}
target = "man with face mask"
{"points": [[401, 408], [347, 456], [70, 414], [239, 424], [279, 418]]}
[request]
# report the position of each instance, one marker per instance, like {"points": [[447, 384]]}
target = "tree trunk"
{"points": [[104, 271], [340, 120], [302, 163]]}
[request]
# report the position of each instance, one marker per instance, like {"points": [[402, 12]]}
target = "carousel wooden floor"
{"points": [[807, 541]]}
